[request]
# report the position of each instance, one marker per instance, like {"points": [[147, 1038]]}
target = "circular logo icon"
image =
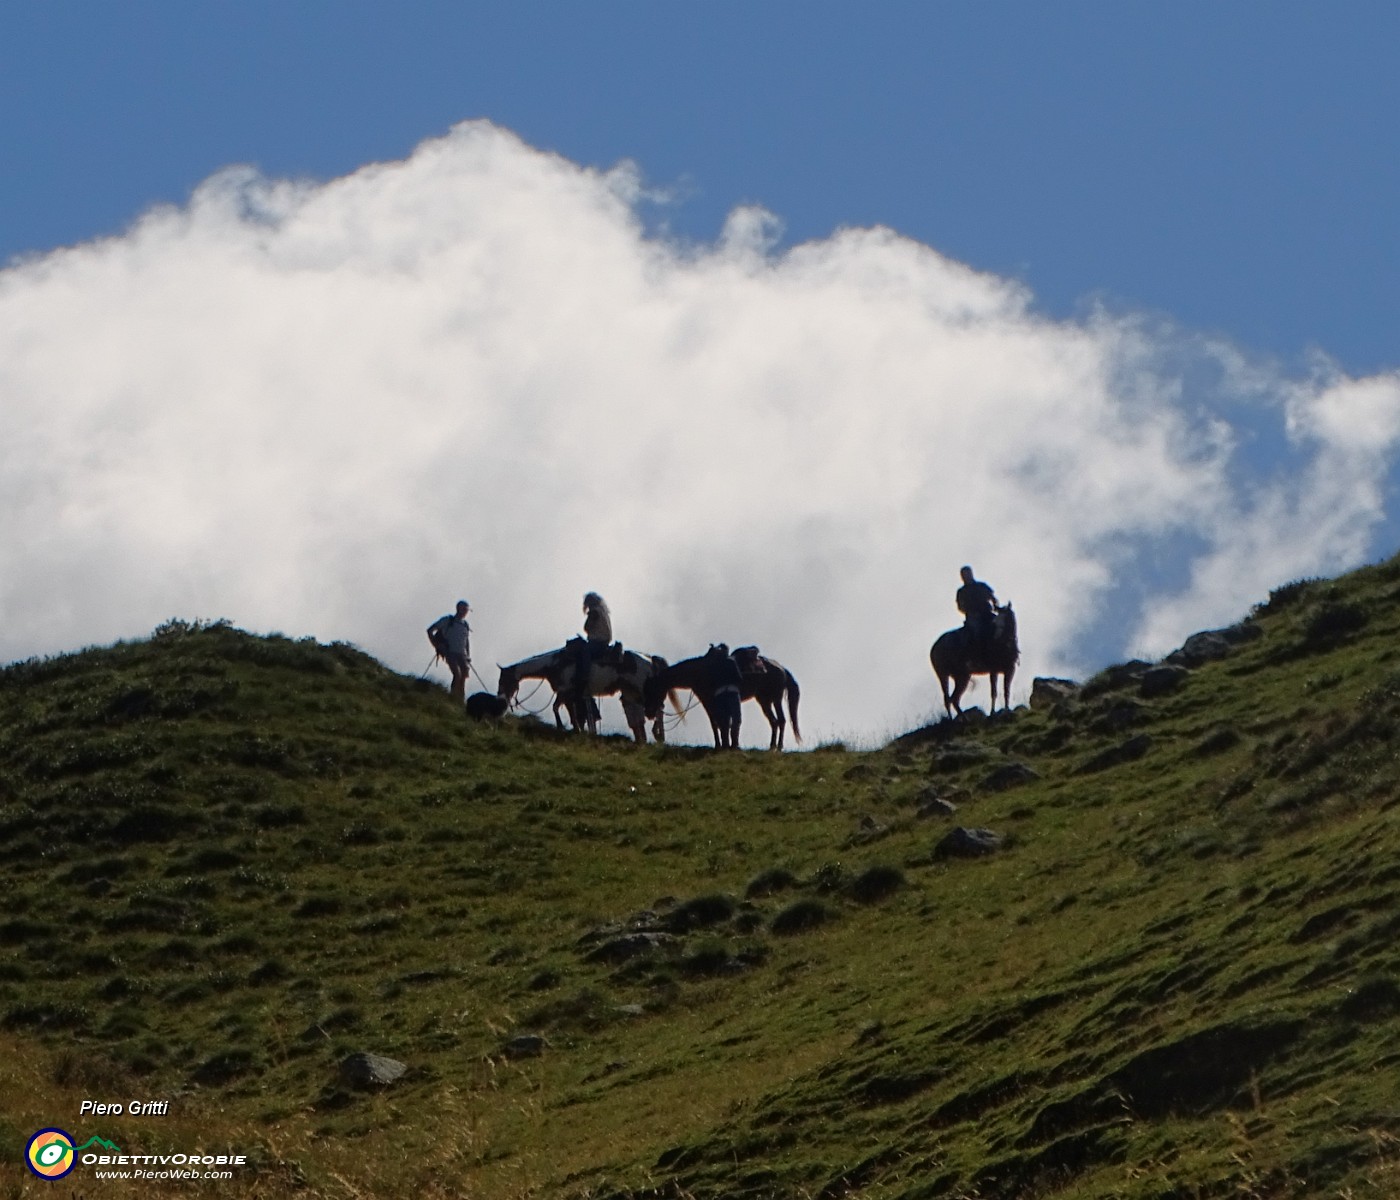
{"points": [[50, 1153]]}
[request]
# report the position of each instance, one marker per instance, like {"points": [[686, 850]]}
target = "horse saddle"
{"points": [[749, 660]]}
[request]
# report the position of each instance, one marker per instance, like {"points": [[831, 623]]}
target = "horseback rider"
{"points": [[451, 638], [978, 604], [597, 637]]}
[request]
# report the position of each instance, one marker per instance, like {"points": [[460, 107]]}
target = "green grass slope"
{"points": [[229, 863]]}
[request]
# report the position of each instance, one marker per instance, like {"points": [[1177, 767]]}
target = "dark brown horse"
{"points": [[696, 675], [768, 682], [762, 679], [955, 660]]}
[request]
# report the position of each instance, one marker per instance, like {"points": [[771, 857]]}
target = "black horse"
{"points": [[769, 682], [701, 676], [956, 659], [760, 678]]}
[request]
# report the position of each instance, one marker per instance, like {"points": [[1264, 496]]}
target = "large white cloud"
{"points": [[331, 409]]}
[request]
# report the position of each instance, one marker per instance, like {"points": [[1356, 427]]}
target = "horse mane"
{"points": [[1009, 635]]}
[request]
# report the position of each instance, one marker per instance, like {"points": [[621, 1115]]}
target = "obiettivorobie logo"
{"points": [[51, 1153]]}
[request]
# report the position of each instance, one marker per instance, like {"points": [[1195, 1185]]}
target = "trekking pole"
{"points": [[432, 662]]}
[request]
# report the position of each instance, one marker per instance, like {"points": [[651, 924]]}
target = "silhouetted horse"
{"points": [[702, 676], [954, 659], [761, 679], [768, 681], [626, 676]]}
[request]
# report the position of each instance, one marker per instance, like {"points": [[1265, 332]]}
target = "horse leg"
{"points": [[1006, 687], [636, 720], [776, 721], [948, 699], [960, 685], [712, 715]]}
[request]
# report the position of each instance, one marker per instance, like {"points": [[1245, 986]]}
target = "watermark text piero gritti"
{"points": [[130, 1108]]}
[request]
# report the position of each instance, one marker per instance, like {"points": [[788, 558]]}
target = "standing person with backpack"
{"points": [[451, 638]]}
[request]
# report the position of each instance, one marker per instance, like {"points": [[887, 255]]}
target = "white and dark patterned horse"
{"points": [[624, 674]]}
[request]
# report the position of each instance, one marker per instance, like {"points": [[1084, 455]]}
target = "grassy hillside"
{"points": [[229, 863]]}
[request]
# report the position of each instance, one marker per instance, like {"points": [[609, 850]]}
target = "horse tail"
{"points": [[659, 667], [794, 693]]}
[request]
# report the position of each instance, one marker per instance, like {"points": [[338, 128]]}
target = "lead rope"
{"points": [[671, 722], [520, 704]]}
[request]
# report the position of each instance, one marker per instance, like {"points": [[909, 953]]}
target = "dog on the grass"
{"points": [[484, 705]]}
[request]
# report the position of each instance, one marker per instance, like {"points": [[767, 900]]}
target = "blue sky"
{"points": [[1130, 346], [1233, 166]]}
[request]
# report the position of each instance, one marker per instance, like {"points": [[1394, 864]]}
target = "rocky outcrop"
{"points": [[1162, 680], [968, 843], [365, 1070], [1047, 692], [1009, 776]]}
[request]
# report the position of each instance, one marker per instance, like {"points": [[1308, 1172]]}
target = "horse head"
{"points": [[656, 690], [509, 682], [653, 685], [653, 696]]}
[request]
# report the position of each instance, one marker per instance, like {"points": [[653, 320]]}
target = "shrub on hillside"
{"points": [[1332, 622], [800, 917], [876, 883], [700, 913], [769, 881], [1285, 596]]}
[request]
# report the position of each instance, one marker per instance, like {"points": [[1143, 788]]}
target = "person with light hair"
{"points": [[597, 637], [597, 620]]}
